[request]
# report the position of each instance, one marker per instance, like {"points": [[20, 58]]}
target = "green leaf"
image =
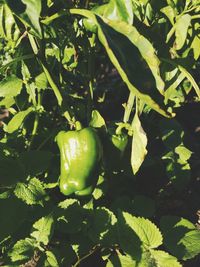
{"points": [[13, 213], [51, 259], [29, 12], [43, 229], [164, 259], [120, 261], [41, 81], [181, 29], [70, 217], [17, 120], [7, 102], [183, 152], [180, 237], [22, 250], [118, 37], [102, 226], [32, 193], [35, 162], [195, 46], [147, 232], [8, 27], [97, 121], [11, 86], [139, 144]]}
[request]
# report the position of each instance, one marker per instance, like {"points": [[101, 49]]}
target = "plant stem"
{"points": [[129, 107]]}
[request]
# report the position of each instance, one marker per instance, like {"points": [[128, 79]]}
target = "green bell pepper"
{"points": [[80, 155]]}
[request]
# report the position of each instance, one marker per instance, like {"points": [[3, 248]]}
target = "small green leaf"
{"points": [[43, 229], [7, 102], [97, 121], [139, 143], [32, 193], [51, 259], [17, 120], [22, 250], [10, 86], [41, 81]]}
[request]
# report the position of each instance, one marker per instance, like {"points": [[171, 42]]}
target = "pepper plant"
{"points": [[124, 189]]}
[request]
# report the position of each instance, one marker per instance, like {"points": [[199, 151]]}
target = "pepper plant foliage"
{"points": [[125, 68]]}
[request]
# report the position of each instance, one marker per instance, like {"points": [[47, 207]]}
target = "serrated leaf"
{"points": [[32, 193], [10, 86], [17, 120], [181, 29], [97, 121], [139, 144], [22, 250], [180, 237], [164, 259], [120, 261], [147, 232], [43, 229]]}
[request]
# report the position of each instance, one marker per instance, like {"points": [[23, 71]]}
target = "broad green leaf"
{"points": [[29, 12], [162, 258], [169, 12], [43, 229], [119, 260], [10, 86], [35, 162], [70, 216], [51, 259], [148, 232], [13, 213], [181, 29], [32, 193], [22, 250], [101, 229], [17, 120], [119, 37], [117, 10], [129, 241], [7, 102], [181, 237], [139, 144], [146, 50], [97, 121]]}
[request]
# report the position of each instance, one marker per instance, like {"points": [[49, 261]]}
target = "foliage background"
{"points": [[134, 63]]}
